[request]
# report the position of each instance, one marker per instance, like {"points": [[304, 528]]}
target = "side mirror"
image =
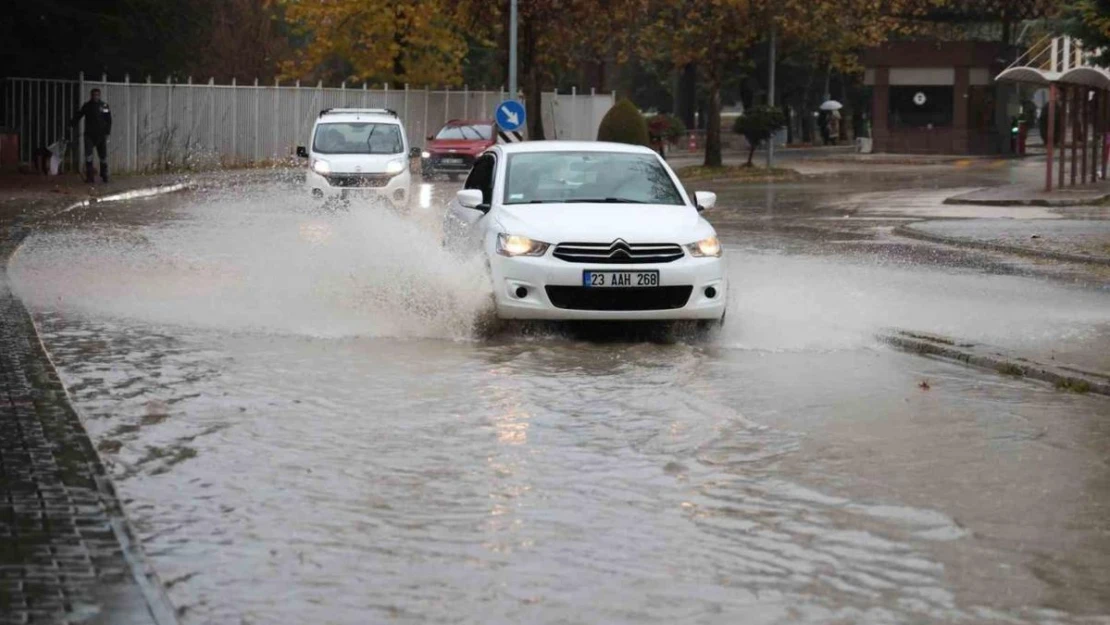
{"points": [[471, 198], [302, 151], [414, 152], [430, 138], [705, 200]]}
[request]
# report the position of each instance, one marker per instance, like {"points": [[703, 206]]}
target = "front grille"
{"points": [[618, 253], [359, 180], [648, 298]]}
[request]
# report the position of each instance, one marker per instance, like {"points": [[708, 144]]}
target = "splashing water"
{"points": [[258, 261]]}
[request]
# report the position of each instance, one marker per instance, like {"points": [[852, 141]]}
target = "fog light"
{"points": [[521, 292], [710, 292]]}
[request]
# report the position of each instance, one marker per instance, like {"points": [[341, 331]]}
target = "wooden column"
{"points": [[1074, 114], [1084, 131], [1063, 135], [1096, 133], [1050, 140], [1105, 123]]}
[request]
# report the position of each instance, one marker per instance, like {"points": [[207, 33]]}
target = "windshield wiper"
{"points": [[606, 200]]}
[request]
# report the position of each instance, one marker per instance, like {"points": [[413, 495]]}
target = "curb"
{"points": [[1064, 377], [153, 591], [910, 232], [1057, 203]]}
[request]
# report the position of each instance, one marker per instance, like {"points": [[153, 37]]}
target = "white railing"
{"points": [[167, 125], [1056, 55]]}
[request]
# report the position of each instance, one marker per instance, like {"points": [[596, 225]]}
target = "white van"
{"points": [[359, 153]]}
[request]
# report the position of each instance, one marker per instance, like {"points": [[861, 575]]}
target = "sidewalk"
{"points": [[66, 552], [1033, 194]]}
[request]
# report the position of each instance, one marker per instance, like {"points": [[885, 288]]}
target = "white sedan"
{"points": [[589, 231]]}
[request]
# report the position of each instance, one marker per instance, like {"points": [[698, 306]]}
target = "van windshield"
{"points": [[358, 138]]}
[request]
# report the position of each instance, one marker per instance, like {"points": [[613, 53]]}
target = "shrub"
{"points": [[623, 124], [663, 127], [758, 124]]}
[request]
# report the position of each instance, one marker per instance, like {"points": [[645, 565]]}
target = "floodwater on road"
{"points": [[312, 418]]}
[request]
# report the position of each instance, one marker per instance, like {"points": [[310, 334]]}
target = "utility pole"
{"points": [[771, 94], [512, 49]]}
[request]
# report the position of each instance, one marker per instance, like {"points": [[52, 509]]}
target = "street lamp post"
{"points": [[512, 49]]}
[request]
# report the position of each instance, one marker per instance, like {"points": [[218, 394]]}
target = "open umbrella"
{"points": [[831, 105]]}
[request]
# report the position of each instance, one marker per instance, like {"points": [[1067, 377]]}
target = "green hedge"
{"points": [[624, 124]]}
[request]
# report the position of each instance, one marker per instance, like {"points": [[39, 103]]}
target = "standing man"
{"points": [[98, 125]]}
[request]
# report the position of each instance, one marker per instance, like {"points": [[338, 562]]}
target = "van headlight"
{"points": [[321, 167], [515, 245], [710, 247], [395, 166]]}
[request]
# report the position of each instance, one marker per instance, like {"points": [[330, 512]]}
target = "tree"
{"points": [[714, 36], [556, 36], [395, 41], [242, 39], [758, 124], [1089, 21]]}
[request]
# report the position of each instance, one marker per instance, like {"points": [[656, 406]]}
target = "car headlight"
{"points": [[515, 245], [395, 166], [710, 247], [425, 154], [321, 167]]}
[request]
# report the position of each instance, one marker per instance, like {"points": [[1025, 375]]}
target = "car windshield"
{"points": [[469, 132], [613, 177], [358, 138]]}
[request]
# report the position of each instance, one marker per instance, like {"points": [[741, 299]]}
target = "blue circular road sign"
{"points": [[509, 115]]}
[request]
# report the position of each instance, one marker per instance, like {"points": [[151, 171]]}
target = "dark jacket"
{"points": [[98, 119]]}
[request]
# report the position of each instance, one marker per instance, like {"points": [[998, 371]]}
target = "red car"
{"points": [[453, 149]]}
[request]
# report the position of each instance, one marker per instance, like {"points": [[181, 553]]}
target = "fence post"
{"points": [[446, 104], [574, 113], [466, 101], [297, 113], [190, 118], [385, 95], [276, 121], [149, 88], [212, 115], [127, 163], [234, 123], [424, 129], [80, 129], [257, 156], [405, 119]]}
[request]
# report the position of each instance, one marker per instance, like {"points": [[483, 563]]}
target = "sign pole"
{"points": [[512, 49]]}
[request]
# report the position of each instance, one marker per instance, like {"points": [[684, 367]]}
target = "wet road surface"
{"points": [[310, 418]]}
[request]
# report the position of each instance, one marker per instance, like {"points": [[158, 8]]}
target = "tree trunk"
{"points": [[713, 125], [533, 93], [687, 96]]}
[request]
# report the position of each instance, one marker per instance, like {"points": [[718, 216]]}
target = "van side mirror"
{"points": [[430, 138], [302, 151], [705, 200]]}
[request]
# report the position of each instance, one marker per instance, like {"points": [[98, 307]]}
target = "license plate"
{"points": [[452, 161], [620, 279]]}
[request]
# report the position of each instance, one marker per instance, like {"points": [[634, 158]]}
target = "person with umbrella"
{"points": [[830, 130]]}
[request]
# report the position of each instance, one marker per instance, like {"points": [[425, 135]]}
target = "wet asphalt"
{"points": [[310, 417]]}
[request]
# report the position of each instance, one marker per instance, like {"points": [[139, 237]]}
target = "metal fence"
{"points": [[167, 125]]}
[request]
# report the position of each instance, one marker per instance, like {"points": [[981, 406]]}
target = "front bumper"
{"points": [[536, 274], [395, 192]]}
